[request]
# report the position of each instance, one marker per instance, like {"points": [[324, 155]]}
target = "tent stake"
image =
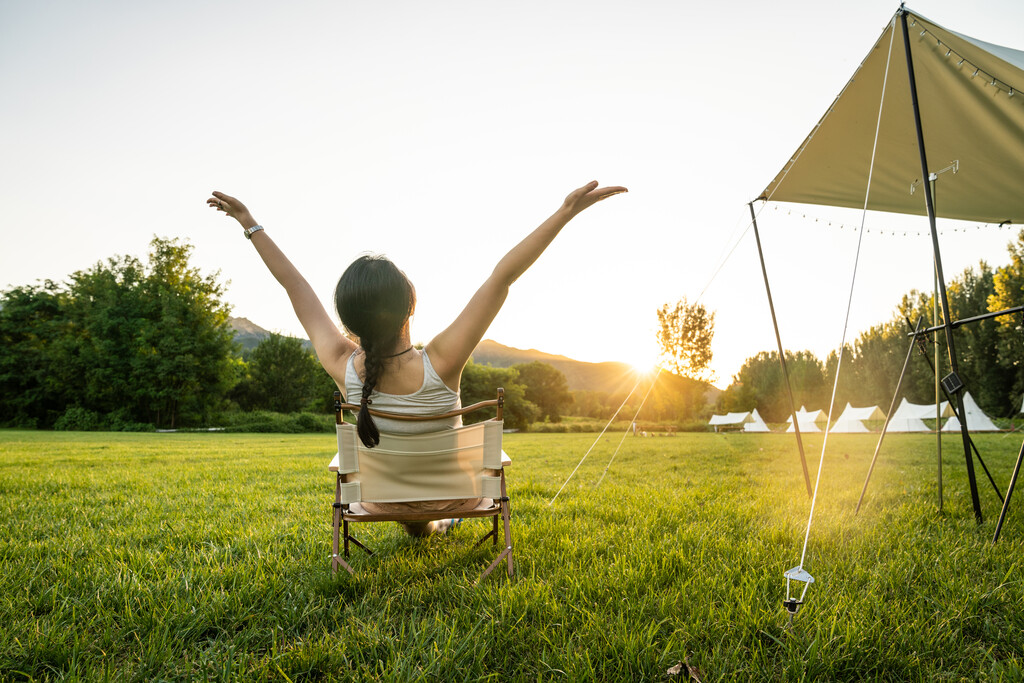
{"points": [[782, 354], [950, 347]]}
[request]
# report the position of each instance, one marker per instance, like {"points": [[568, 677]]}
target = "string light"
{"points": [[989, 78], [894, 232]]}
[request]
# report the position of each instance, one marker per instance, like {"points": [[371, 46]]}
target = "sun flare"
{"points": [[645, 363]]}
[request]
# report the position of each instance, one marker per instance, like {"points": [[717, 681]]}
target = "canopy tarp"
{"points": [[972, 112], [730, 419], [756, 424]]}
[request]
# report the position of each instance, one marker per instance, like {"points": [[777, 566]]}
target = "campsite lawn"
{"points": [[205, 557]]}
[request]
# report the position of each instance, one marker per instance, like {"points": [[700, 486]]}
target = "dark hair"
{"points": [[374, 300]]}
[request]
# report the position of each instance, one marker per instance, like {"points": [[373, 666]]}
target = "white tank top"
{"points": [[434, 397]]}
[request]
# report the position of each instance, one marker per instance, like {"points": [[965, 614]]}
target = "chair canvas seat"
{"points": [[453, 464], [357, 513]]}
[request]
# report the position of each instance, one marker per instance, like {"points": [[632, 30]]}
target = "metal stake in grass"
{"points": [[792, 603]]}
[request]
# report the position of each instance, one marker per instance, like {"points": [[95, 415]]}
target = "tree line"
{"points": [[132, 344], [990, 353]]}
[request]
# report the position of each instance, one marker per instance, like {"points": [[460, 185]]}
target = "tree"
{"points": [[481, 382], [546, 388], [1008, 291], [760, 384], [31, 391], [282, 376], [127, 341], [685, 332]]}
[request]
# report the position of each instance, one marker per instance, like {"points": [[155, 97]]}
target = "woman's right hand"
{"points": [[232, 207], [588, 195]]}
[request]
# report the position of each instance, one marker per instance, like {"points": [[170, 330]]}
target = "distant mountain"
{"points": [[249, 334], [612, 377]]}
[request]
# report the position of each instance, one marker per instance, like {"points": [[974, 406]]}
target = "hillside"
{"points": [[249, 334], [609, 376], [612, 377]]}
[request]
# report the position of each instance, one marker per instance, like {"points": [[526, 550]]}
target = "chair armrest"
{"points": [[505, 460], [333, 467]]}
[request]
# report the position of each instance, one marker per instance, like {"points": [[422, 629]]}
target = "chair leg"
{"points": [[336, 560], [489, 534], [356, 542], [506, 554], [506, 516]]}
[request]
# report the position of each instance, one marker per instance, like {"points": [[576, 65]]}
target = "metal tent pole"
{"points": [[935, 343], [1009, 492], [782, 354], [950, 347]]}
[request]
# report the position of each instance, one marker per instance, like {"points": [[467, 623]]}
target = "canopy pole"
{"points": [[950, 347], [782, 353], [888, 417], [935, 344], [1009, 492]]}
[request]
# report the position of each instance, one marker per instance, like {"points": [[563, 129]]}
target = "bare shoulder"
{"points": [[447, 368]]}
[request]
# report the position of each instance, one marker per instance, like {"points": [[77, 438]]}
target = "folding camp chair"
{"points": [[451, 464]]}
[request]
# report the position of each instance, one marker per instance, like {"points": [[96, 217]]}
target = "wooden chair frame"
{"points": [[344, 514]]}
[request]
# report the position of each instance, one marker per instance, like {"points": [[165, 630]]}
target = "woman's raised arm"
{"points": [[331, 346], [450, 350]]}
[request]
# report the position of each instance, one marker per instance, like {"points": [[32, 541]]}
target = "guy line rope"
{"points": [[798, 573], [612, 418], [625, 433]]}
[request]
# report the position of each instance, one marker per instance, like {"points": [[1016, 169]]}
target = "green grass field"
{"points": [[205, 557]]}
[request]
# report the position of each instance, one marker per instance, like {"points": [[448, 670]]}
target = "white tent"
{"points": [[852, 419], [732, 420], [977, 420], [908, 416], [807, 419], [756, 424]]}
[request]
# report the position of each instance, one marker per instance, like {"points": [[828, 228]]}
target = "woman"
{"points": [[375, 301]]}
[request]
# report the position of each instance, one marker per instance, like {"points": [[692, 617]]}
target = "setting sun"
{"points": [[645, 361]]}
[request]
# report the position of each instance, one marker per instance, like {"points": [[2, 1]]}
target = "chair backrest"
{"points": [[444, 465]]}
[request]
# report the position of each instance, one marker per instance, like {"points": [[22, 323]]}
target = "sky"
{"points": [[441, 133]]}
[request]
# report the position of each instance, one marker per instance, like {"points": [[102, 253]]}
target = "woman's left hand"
{"points": [[232, 207], [588, 195]]}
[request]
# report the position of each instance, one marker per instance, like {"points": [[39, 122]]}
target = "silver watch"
{"points": [[249, 231]]}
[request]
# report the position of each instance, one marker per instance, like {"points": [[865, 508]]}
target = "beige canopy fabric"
{"points": [[972, 113]]}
